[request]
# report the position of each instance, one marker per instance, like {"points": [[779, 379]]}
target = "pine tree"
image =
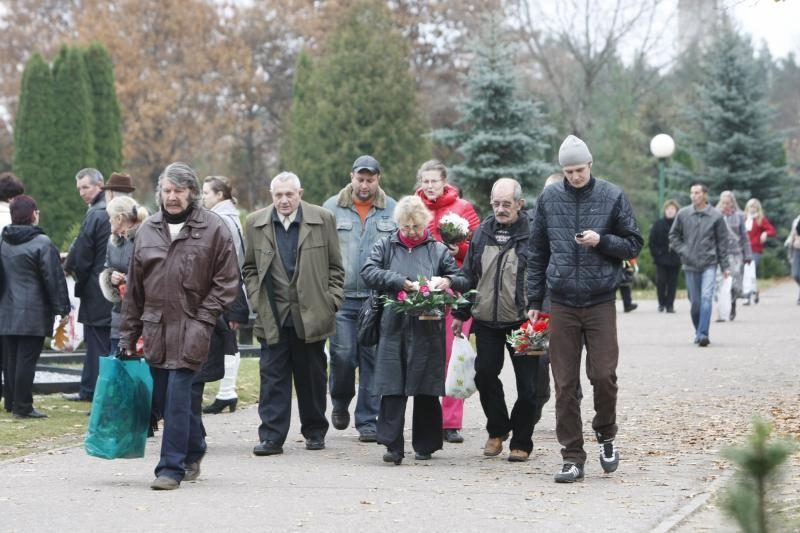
{"points": [[74, 141], [498, 134], [365, 103], [300, 133], [33, 132], [732, 118], [107, 119]]}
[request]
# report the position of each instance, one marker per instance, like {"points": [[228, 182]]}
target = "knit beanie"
{"points": [[573, 152]]}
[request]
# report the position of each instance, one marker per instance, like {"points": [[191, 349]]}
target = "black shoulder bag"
{"points": [[369, 317]]}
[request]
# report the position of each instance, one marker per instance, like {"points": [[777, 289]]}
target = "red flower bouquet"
{"points": [[531, 338]]}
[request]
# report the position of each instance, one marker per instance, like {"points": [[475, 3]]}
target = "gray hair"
{"points": [[285, 177], [181, 175], [412, 209], [93, 174], [515, 183], [552, 179]]}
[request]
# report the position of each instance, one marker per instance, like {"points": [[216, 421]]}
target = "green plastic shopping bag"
{"points": [[120, 410]]}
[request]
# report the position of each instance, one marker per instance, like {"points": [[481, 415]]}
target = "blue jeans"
{"points": [[346, 355], [182, 440], [700, 286], [97, 340]]}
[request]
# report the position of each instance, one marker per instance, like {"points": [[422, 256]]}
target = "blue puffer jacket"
{"points": [[356, 239], [580, 276]]}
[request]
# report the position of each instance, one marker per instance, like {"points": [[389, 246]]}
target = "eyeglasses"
{"points": [[504, 205], [412, 227]]}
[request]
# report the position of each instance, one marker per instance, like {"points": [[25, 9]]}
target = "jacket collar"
{"points": [[519, 229], [395, 239], [345, 198], [583, 190], [448, 198], [264, 217], [99, 199], [196, 218]]}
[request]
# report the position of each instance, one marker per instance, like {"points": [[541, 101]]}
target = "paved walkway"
{"points": [[678, 405]]}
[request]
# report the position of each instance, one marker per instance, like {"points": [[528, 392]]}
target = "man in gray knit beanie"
{"points": [[583, 228]]}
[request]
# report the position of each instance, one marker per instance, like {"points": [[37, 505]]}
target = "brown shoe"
{"points": [[494, 445], [518, 456], [165, 483]]}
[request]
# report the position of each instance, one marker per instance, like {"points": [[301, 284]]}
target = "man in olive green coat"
{"points": [[294, 276]]}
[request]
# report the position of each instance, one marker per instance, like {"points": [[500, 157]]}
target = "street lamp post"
{"points": [[662, 147]]}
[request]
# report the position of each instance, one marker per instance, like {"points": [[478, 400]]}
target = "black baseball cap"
{"points": [[367, 162]]}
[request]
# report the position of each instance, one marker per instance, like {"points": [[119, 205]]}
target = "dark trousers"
{"points": [[182, 439], [346, 355], [2, 378], [627, 298], [291, 358], [21, 354], [97, 340], [197, 402], [426, 425], [492, 347], [666, 285], [571, 327]]}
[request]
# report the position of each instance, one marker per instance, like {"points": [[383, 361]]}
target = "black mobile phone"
{"points": [[579, 235]]}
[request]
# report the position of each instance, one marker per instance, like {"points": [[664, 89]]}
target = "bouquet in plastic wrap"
{"points": [[532, 338], [453, 228]]}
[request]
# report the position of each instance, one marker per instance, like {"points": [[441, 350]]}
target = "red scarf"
{"points": [[411, 243]]}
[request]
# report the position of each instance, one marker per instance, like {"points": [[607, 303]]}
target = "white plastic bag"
{"points": [[73, 329], [749, 279], [724, 299], [460, 382]]}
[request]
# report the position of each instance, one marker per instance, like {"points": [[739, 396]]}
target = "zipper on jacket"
{"points": [[577, 246]]}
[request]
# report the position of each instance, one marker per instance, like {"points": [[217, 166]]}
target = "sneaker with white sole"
{"points": [[609, 456], [570, 473]]}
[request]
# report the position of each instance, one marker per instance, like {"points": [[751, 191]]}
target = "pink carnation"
{"points": [[401, 296], [425, 291]]}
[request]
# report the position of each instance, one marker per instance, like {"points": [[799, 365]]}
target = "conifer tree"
{"points": [[74, 141], [364, 102], [300, 126], [33, 131], [498, 134], [107, 119], [732, 118]]}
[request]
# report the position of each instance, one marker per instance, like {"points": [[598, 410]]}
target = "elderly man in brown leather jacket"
{"points": [[182, 275]]}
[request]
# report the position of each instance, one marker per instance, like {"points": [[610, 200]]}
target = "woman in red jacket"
{"points": [[758, 230], [442, 198]]}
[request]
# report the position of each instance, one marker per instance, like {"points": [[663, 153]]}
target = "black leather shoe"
{"points": [[267, 447], [32, 414], [393, 457], [367, 436], [671, 310], [340, 418], [631, 307], [422, 456], [453, 436], [219, 405], [315, 444]]}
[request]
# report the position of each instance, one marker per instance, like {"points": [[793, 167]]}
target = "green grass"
{"points": [[66, 425]]}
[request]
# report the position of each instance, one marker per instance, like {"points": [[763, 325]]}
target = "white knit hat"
{"points": [[573, 152]]}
